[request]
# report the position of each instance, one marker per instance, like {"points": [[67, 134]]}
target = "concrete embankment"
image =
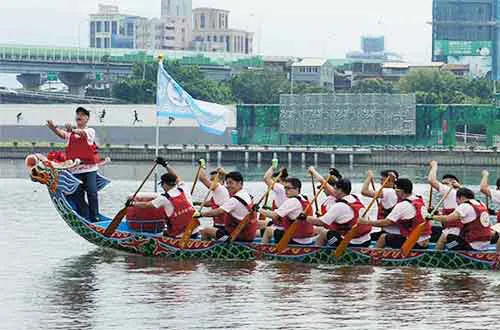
{"points": [[286, 154]]}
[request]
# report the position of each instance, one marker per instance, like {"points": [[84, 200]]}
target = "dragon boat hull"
{"points": [[61, 183]]}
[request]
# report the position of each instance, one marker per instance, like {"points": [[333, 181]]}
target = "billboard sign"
{"points": [[463, 48], [348, 114], [479, 66]]}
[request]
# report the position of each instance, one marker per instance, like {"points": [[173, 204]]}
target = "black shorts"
{"points": [[222, 235], [436, 233], [396, 242], [278, 235], [457, 243], [494, 238], [334, 238]]}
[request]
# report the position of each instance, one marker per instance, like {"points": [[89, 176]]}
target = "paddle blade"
{"points": [[287, 236], [339, 251], [237, 231], [189, 231], [115, 222], [412, 239]]}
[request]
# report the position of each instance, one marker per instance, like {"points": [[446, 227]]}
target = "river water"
{"points": [[52, 279]]}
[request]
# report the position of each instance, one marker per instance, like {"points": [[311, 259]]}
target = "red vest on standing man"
{"points": [[78, 147]]}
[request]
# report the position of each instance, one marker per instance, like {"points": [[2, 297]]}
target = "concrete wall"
{"points": [[117, 127]]}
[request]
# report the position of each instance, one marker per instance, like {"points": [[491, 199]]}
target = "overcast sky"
{"points": [[283, 27]]}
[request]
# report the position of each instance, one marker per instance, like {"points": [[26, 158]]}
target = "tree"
{"points": [[443, 87], [373, 86]]}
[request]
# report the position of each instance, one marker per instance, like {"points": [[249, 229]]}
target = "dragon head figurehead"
{"points": [[45, 171]]}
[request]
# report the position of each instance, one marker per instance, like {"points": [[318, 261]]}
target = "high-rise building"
{"points": [[111, 29], [373, 44], [173, 33], [177, 8], [211, 33], [466, 32]]}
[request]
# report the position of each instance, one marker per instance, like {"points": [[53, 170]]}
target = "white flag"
{"points": [[174, 101]]}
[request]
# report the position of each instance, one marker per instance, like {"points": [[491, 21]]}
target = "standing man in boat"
{"points": [[388, 198], [473, 215], [287, 213], [81, 144], [449, 204], [218, 197], [239, 207], [403, 219], [176, 201], [341, 217]]}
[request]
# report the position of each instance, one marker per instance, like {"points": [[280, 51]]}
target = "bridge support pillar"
{"points": [[76, 82], [31, 81]]}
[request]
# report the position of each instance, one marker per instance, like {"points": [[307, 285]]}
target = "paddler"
{"points": [[329, 191], [388, 198], [341, 217], [403, 219], [238, 207], [449, 204], [495, 198], [176, 201], [287, 213], [218, 196], [81, 144], [276, 180], [476, 233]]}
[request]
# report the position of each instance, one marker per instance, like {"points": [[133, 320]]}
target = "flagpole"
{"points": [[157, 144]]}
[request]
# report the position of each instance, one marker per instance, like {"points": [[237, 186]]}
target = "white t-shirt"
{"points": [[495, 196], [329, 202], [162, 201], [467, 215], [84, 168], [451, 201], [235, 207], [220, 194], [404, 211], [342, 213], [291, 208], [279, 194], [389, 198]]}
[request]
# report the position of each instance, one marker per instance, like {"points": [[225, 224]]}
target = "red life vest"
{"points": [[249, 232], [343, 228], [478, 230], [78, 147], [218, 220], [498, 216], [304, 228], [324, 206], [406, 226], [183, 213], [451, 224], [146, 220]]}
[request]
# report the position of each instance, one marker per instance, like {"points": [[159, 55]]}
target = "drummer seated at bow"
{"points": [[404, 218], [449, 204], [239, 207], [341, 217], [476, 233], [287, 213], [176, 201], [218, 196]]}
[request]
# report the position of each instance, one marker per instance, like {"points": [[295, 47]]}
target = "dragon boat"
{"points": [[61, 183]]}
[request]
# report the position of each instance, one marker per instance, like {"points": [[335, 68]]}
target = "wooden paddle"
{"points": [[375, 189], [339, 251], [200, 167], [121, 214], [188, 232], [430, 197], [318, 211], [417, 232], [287, 236]]}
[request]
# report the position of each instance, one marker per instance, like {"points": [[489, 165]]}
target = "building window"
{"points": [[228, 44], [169, 38], [130, 29], [106, 26], [114, 27], [215, 38], [170, 28], [98, 26], [98, 43], [209, 38], [92, 27], [106, 43], [202, 21], [92, 42]]}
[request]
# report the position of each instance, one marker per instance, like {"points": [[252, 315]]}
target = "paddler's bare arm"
{"points": [[171, 170], [204, 179], [485, 188], [315, 221], [57, 131], [143, 205], [212, 213], [432, 179], [321, 179], [445, 218], [377, 223], [269, 214], [366, 190], [268, 177]]}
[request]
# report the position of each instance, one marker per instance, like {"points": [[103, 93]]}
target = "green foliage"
{"points": [[442, 87], [373, 86]]}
